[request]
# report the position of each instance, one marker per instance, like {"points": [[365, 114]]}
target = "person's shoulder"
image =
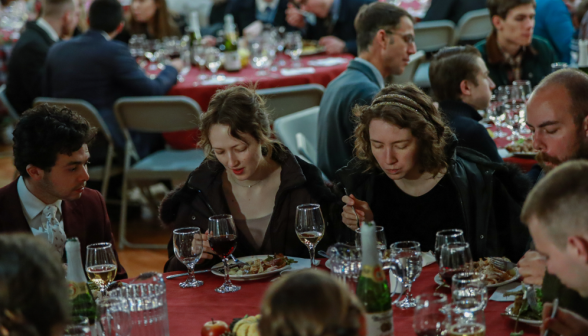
{"points": [[481, 46], [541, 44], [91, 196]]}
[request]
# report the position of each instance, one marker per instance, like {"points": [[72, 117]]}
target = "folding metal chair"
{"points": [[473, 26], [286, 100], [408, 75], [434, 35]]}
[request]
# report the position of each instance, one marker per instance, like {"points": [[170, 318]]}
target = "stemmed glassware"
{"points": [[222, 236], [115, 316], [496, 114], [293, 47], [466, 317], [446, 236], [259, 57], [188, 250], [199, 54], [515, 113], [408, 254], [101, 265], [380, 237], [213, 61], [455, 258], [429, 317], [469, 285], [310, 227]]}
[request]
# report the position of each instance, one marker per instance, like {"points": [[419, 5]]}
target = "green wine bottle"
{"points": [[79, 294], [372, 287]]}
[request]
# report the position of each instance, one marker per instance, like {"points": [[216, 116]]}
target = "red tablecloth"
{"points": [[192, 87], [189, 309]]}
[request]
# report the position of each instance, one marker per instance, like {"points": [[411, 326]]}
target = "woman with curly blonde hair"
{"points": [[410, 176]]}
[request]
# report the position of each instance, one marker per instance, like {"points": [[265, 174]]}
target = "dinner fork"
{"points": [[353, 208], [502, 264]]}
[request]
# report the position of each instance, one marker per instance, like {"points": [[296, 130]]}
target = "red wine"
{"points": [[429, 332], [447, 275], [223, 245]]}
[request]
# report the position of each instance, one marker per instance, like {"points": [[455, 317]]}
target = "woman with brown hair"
{"points": [[410, 177], [246, 174], [151, 18], [310, 303]]}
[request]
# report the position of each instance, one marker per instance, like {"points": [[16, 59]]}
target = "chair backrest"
{"points": [[407, 76], [286, 100], [13, 114], [474, 25], [434, 35], [304, 122], [306, 149]]}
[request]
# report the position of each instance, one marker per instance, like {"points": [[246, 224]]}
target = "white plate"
{"points": [[440, 282], [301, 263], [534, 323]]}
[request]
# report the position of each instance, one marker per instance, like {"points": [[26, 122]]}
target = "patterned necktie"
{"points": [[55, 234]]}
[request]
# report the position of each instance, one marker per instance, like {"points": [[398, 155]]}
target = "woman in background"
{"points": [[153, 19]]}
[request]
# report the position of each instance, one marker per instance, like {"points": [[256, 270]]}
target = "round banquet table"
{"points": [[194, 88], [189, 309]]}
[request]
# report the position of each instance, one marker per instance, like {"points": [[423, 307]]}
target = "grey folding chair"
{"points": [[97, 172], [286, 100], [474, 26], [409, 71], [155, 115], [304, 122], [434, 35], [11, 111]]}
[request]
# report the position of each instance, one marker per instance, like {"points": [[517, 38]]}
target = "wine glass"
{"points": [[496, 114], [293, 45], [455, 258], [446, 236], [213, 60], [468, 285], [258, 55], [222, 237], [408, 254], [101, 265], [199, 53], [115, 317], [429, 317], [466, 317], [188, 250], [380, 238], [515, 114], [558, 66], [310, 226]]}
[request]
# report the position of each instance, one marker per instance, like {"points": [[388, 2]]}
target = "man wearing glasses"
{"points": [[385, 40]]}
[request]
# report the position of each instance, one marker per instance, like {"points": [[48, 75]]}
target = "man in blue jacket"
{"points": [[94, 68], [385, 40], [553, 22]]}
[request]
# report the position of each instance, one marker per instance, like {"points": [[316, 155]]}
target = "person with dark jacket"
{"points": [[271, 12], [461, 84], [409, 177], [511, 52], [452, 9], [27, 60], [250, 176]]}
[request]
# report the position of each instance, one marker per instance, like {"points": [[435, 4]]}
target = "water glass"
{"points": [[455, 258], [345, 261], [408, 254], [469, 285], [213, 60], [79, 326], [465, 317], [496, 114], [447, 236], [114, 316], [310, 227], [293, 47], [516, 117], [188, 249], [259, 56], [429, 316]]}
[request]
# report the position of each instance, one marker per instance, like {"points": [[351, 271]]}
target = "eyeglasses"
{"points": [[408, 38]]}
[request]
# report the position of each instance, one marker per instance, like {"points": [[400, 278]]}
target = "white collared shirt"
{"points": [[48, 29], [262, 4], [33, 208], [375, 70]]}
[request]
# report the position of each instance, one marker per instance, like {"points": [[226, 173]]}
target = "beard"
{"points": [[580, 152]]}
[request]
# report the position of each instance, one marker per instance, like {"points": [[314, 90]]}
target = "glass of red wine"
{"points": [[222, 236], [455, 258], [447, 236], [188, 250], [429, 316]]}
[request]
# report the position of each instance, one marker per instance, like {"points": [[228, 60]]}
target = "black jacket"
{"points": [[452, 9], [463, 120], [491, 196], [202, 196], [25, 67], [245, 12]]}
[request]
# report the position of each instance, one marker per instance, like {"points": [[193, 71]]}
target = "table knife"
{"points": [[184, 274]]}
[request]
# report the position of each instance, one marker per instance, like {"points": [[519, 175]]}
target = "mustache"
{"points": [[543, 157]]}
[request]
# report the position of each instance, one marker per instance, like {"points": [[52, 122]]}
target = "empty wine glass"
{"points": [[310, 226], [455, 258], [496, 114], [213, 60], [101, 265], [115, 316], [258, 56], [188, 250], [408, 254], [293, 45], [429, 317], [447, 236], [469, 285], [516, 117], [466, 317], [222, 236], [380, 237]]}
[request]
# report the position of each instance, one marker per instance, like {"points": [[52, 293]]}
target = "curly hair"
{"points": [[310, 303], [34, 296], [405, 106], [45, 131], [244, 111]]}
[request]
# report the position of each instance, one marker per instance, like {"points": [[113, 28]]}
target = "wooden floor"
{"points": [[135, 261]]}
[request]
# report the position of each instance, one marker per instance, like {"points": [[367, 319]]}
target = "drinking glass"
{"points": [[188, 250], [447, 236], [222, 236], [213, 60], [408, 254], [380, 238], [523, 87], [199, 53], [293, 45], [558, 66], [455, 258], [496, 114], [429, 317], [515, 115], [101, 264], [115, 317], [258, 56], [465, 318], [469, 285], [310, 227], [79, 326]]}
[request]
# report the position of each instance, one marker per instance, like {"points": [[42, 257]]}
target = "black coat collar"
{"points": [[456, 108]]}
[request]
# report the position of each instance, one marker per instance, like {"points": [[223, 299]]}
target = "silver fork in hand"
{"points": [[352, 207]]}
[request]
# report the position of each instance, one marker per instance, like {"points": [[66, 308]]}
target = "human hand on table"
{"points": [[532, 267], [332, 44], [209, 40], [294, 17], [207, 252], [362, 209], [565, 322], [177, 63]]}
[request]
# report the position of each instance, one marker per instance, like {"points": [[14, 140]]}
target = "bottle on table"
{"points": [[194, 34], [232, 57], [372, 287], [79, 294]]}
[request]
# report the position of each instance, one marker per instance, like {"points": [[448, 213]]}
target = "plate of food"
{"points": [[522, 148], [494, 276], [257, 267], [311, 48], [522, 311]]}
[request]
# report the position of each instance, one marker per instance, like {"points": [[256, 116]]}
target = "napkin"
{"points": [[428, 259], [222, 80], [330, 61], [297, 71], [500, 291]]}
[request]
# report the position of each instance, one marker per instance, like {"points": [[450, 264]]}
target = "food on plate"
{"points": [[521, 307], [214, 328], [521, 146], [247, 326], [311, 46], [259, 266], [493, 274]]}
